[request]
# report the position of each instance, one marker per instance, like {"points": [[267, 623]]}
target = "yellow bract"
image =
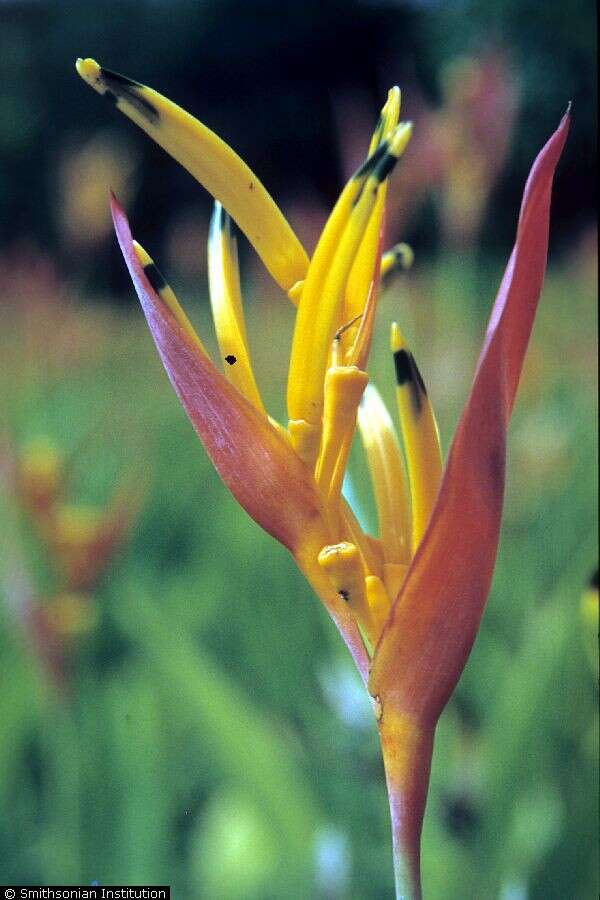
{"points": [[387, 473], [399, 257], [320, 306], [361, 275], [344, 566], [167, 295], [213, 163], [227, 310], [344, 386], [420, 435]]}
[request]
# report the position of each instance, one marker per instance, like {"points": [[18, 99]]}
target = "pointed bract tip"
{"points": [[400, 138], [216, 219], [397, 341], [115, 207], [220, 221], [90, 71], [143, 256], [389, 152], [391, 108]]}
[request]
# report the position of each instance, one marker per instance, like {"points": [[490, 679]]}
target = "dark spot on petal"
{"points": [[407, 372], [344, 595], [417, 376], [370, 163], [403, 367], [367, 169], [231, 359], [385, 166], [120, 86], [155, 277], [117, 79]]}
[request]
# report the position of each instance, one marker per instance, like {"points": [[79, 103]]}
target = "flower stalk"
{"points": [[407, 748]]}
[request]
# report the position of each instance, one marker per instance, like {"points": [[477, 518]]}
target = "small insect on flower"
{"points": [[408, 603]]}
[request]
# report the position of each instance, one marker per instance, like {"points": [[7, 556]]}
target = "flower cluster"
{"points": [[408, 603]]}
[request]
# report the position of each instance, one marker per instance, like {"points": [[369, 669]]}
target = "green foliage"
{"points": [[212, 734]]}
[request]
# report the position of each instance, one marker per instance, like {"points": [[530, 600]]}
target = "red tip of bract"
{"points": [[258, 466], [429, 633]]}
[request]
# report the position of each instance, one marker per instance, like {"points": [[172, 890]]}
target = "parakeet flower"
{"points": [[408, 603]]}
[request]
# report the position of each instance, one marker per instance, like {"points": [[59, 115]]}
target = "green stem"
{"points": [[407, 748]]}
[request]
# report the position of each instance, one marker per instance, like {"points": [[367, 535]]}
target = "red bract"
{"points": [[428, 635]]}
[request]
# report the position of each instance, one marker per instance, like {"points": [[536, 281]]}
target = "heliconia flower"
{"points": [[38, 478], [82, 540], [408, 603]]}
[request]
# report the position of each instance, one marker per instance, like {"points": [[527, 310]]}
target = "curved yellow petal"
{"points": [[420, 436], [363, 267], [344, 567], [386, 467], [344, 386], [213, 163], [319, 309], [388, 119], [378, 601], [226, 303], [401, 256]]}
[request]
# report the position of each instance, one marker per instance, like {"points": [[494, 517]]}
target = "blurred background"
{"points": [[176, 707]]}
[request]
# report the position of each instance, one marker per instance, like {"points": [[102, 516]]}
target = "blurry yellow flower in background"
{"points": [[80, 542], [84, 172]]}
